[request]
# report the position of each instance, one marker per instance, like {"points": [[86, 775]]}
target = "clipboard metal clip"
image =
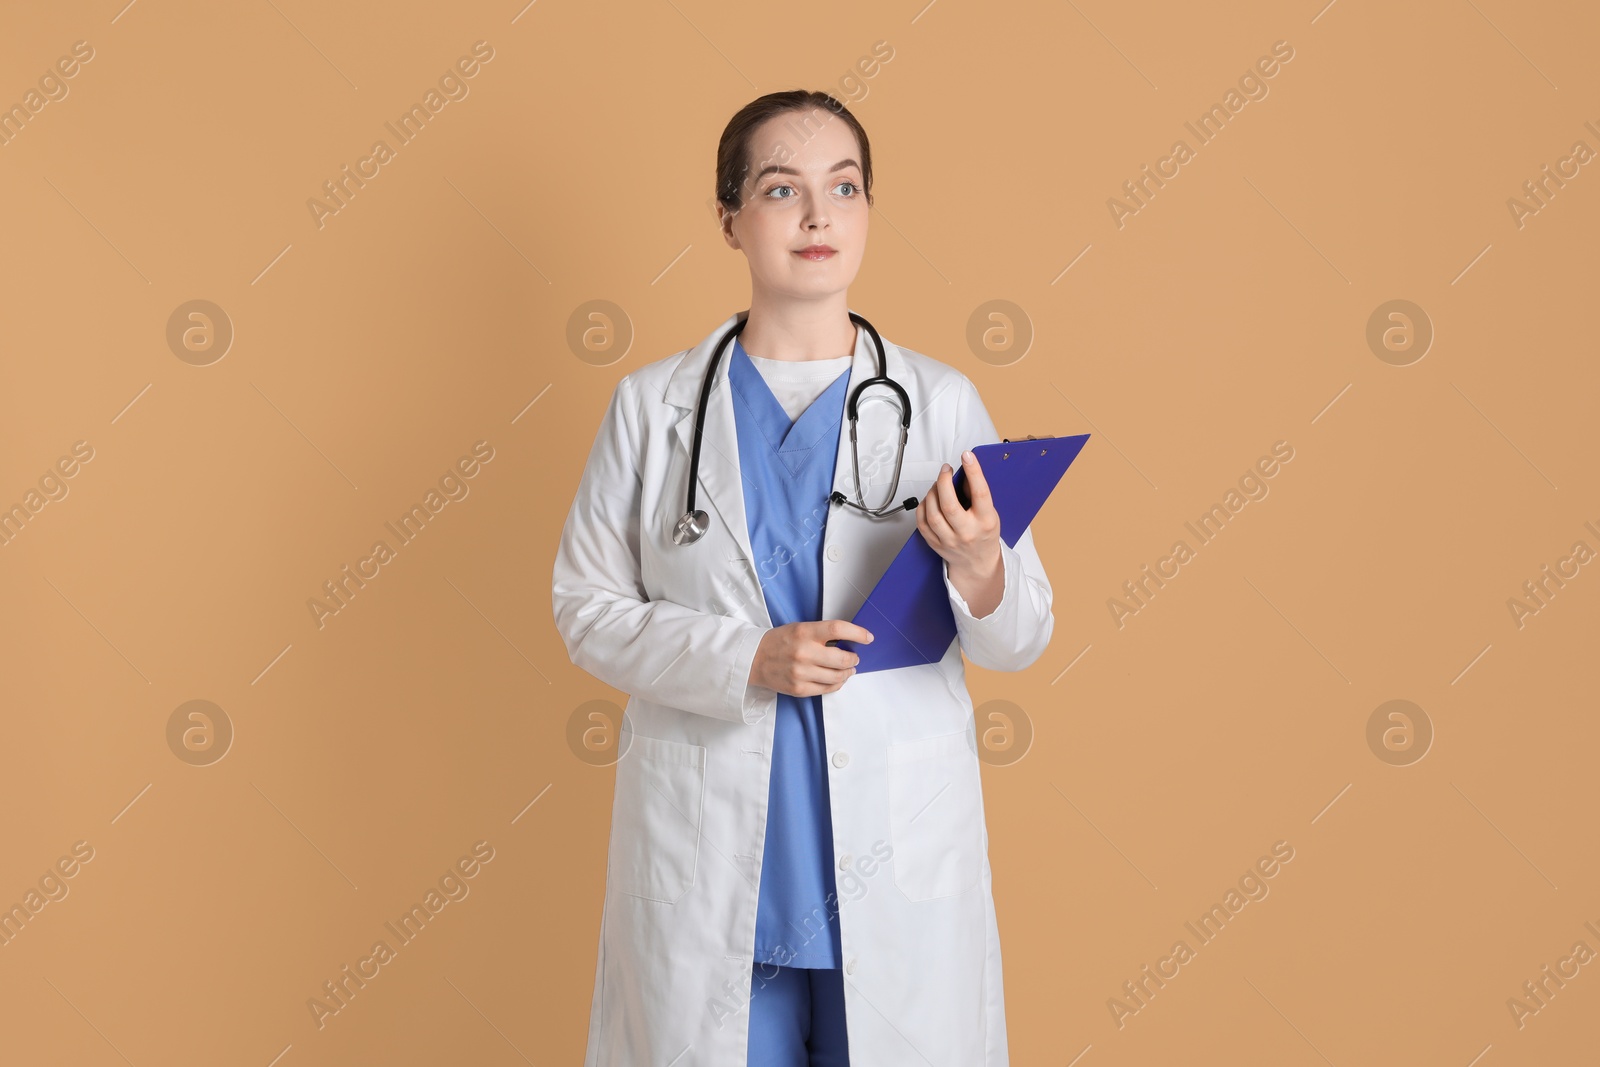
{"points": [[1019, 440]]}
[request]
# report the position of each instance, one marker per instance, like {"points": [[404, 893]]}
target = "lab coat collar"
{"points": [[720, 491]]}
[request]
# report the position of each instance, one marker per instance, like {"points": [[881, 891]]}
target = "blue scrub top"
{"points": [[788, 474]]}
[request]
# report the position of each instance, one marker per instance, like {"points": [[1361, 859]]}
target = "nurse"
{"points": [[799, 215], [802, 227], [797, 866]]}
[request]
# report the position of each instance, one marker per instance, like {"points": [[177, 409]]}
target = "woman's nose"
{"points": [[816, 214]]}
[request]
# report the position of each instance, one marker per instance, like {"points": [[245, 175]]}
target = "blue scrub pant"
{"points": [[797, 1017]]}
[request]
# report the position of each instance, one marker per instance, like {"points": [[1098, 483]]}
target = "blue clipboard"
{"points": [[908, 612]]}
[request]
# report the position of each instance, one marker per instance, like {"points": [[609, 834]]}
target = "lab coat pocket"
{"points": [[935, 812], [655, 819]]}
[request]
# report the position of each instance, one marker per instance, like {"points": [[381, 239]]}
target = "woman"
{"points": [[797, 871]]}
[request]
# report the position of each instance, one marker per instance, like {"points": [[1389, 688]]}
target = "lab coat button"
{"points": [[841, 758], [844, 862], [834, 553], [850, 965]]}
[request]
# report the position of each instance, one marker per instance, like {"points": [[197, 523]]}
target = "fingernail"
{"points": [[968, 455]]}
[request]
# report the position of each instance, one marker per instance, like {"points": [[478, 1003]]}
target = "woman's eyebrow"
{"points": [[776, 168]]}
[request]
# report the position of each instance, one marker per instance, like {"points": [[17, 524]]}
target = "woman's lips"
{"points": [[816, 254]]}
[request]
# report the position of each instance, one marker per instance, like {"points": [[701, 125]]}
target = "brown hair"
{"points": [[733, 150]]}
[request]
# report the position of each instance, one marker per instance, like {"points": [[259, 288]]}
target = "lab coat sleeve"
{"points": [[658, 650], [1017, 631]]}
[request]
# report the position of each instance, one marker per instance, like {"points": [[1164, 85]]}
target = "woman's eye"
{"points": [[855, 190]]}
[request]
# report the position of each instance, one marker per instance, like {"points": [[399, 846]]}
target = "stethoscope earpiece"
{"points": [[908, 504]]}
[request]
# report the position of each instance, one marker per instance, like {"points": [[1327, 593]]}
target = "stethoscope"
{"points": [[694, 523]]}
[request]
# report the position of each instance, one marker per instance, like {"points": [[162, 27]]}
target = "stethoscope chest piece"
{"points": [[691, 527]]}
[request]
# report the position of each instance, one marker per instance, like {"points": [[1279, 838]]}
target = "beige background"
{"points": [[434, 310]]}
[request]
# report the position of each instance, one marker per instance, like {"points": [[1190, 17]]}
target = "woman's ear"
{"points": [[725, 216]]}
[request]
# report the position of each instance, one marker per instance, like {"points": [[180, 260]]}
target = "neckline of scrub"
{"points": [[801, 368]]}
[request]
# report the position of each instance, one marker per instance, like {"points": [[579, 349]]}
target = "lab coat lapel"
{"points": [[720, 492]]}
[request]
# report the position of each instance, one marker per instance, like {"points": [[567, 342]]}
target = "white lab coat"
{"points": [[676, 627]]}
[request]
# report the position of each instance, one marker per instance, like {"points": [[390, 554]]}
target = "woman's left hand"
{"points": [[967, 539]]}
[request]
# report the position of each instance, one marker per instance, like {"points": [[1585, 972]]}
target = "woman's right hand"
{"points": [[796, 658]]}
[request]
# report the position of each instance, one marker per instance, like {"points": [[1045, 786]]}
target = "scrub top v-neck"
{"points": [[787, 467]]}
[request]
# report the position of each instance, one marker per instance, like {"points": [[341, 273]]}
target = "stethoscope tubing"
{"points": [[692, 526]]}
